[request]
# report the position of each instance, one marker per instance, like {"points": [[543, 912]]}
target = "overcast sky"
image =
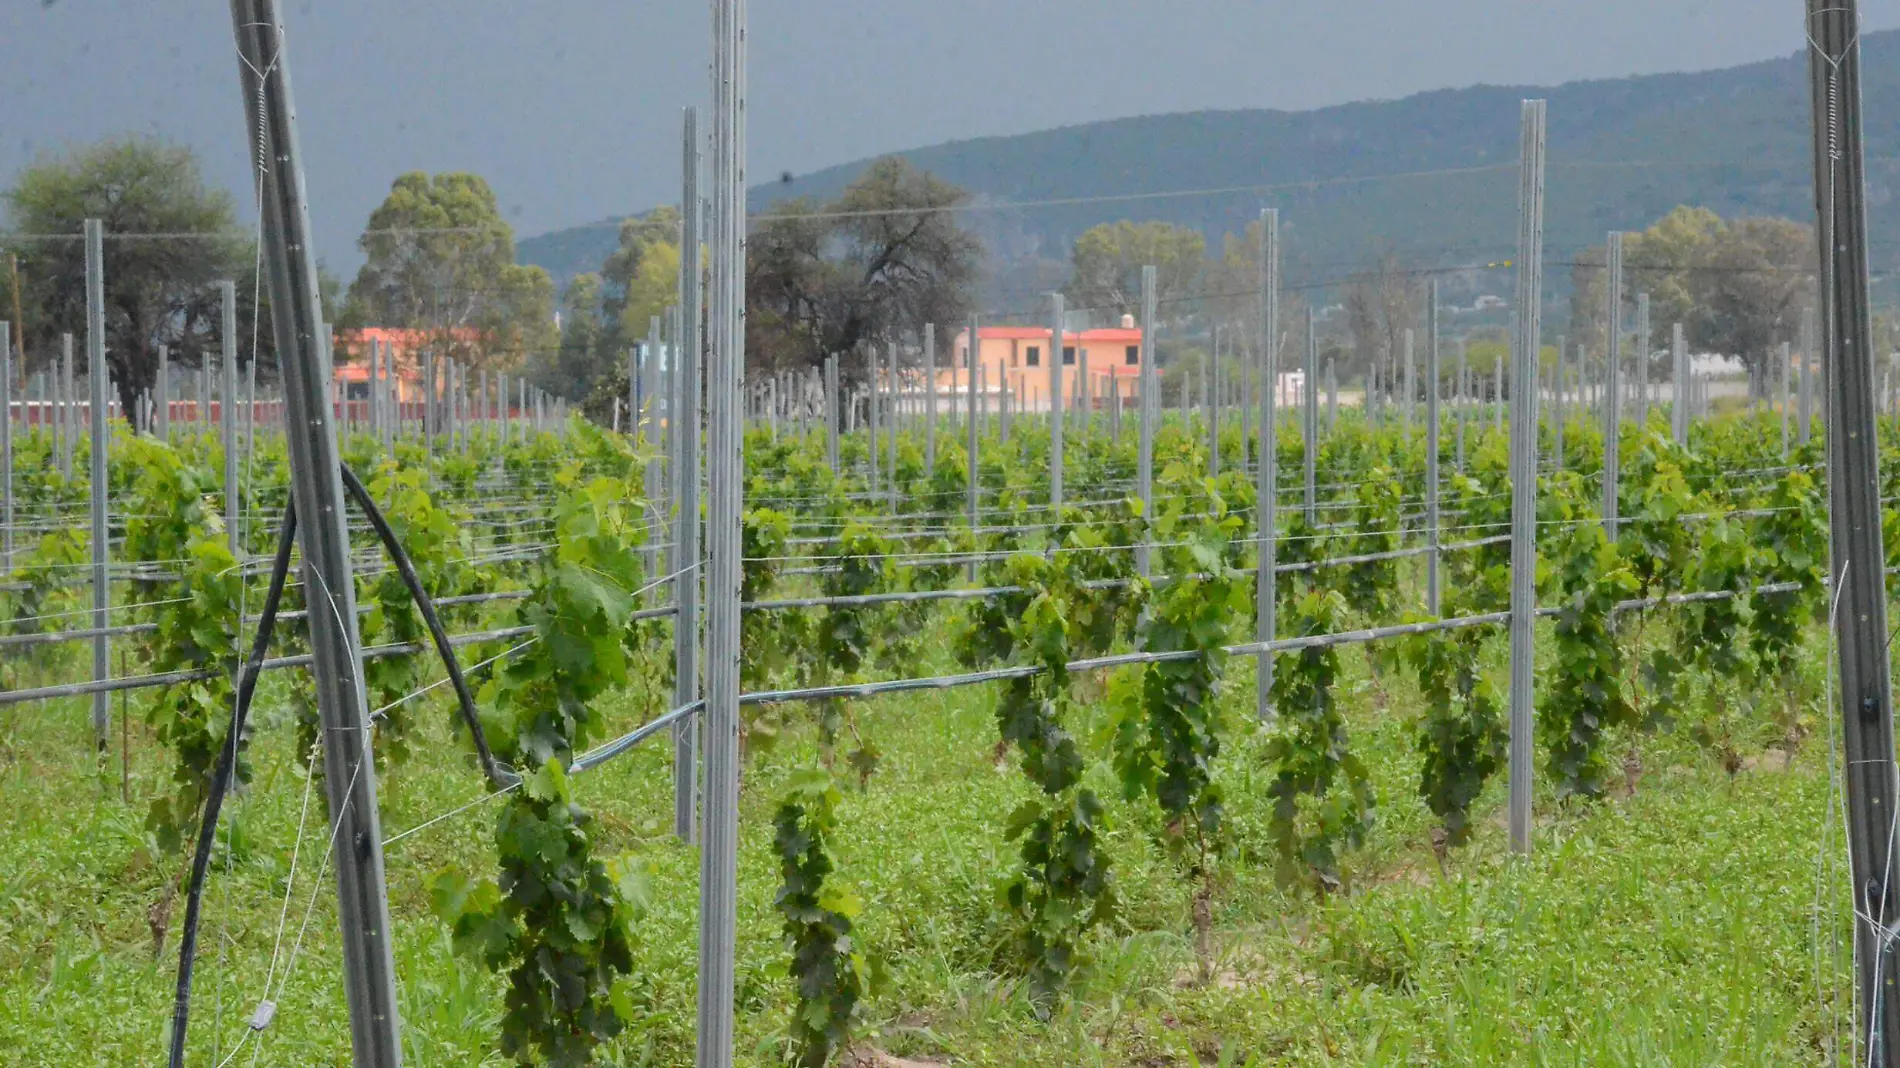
{"points": [[570, 107]]}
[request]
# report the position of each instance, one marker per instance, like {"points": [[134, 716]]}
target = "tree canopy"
{"points": [[1737, 286], [169, 239], [1105, 266], [440, 258], [882, 260], [1381, 305]]}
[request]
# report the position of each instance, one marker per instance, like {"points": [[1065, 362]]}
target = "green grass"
{"points": [[1673, 927]]}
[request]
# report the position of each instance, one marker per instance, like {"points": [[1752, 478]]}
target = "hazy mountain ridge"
{"points": [[1622, 153]]}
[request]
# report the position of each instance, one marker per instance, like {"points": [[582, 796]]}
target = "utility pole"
{"points": [[1267, 478], [1857, 553], [317, 489], [1530, 261], [719, 853]]}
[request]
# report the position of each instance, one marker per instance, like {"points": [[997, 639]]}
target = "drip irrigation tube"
{"points": [[221, 781], [497, 775]]}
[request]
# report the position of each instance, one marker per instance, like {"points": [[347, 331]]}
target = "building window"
{"points": [[1132, 357], [1034, 356], [1068, 355]]}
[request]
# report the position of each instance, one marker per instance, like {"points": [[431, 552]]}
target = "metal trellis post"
{"points": [[1146, 416], [1641, 368], [1613, 395], [162, 394], [97, 378], [1431, 450], [687, 562], [6, 446], [1530, 259], [1804, 424], [719, 855], [1787, 361], [1679, 410], [316, 485], [1857, 553], [1310, 404], [1267, 479], [227, 412], [972, 358], [1055, 407], [930, 399]]}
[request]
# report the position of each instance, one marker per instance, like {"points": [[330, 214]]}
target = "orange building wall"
{"points": [[1003, 351]]}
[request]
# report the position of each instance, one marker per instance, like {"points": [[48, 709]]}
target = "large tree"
{"points": [[169, 238], [885, 258], [1737, 287], [1105, 267], [631, 272], [440, 258], [605, 315], [1380, 308], [582, 356]]}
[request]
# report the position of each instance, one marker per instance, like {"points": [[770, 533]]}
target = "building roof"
{"points": [[1041, 333], [404, 343]]}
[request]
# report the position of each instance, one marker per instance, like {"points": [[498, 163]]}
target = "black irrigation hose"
{"points": [[221, 781], [498, 776]]}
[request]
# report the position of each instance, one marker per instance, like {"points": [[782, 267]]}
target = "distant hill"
{"points": [[1622, 153]]}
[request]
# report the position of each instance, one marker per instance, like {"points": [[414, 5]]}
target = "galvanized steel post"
{"points": [[1862, 640], [1055, 407], [316, 486], [97, 378], [686, 688], [1146, 416], [972, 359], [1613, 394], [930, 399], [718, 871], [1310, 459], [1530, 260], [1267, 478], [227, 412], [1431, 450]]}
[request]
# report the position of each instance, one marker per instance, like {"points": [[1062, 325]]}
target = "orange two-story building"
{"points": [[1018, 357]]}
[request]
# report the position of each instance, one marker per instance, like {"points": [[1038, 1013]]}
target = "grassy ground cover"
{"points": [[1682, 923]]}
